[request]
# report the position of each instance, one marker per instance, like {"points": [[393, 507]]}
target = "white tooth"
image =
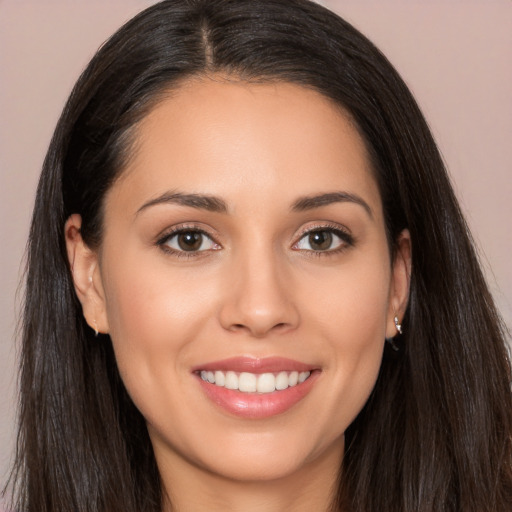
{"points": [[303, 376], [293, 378], [247, 382], [211, 377], [281, 381], [266, 383], [220, 378], [231, 381], [204, 375]]}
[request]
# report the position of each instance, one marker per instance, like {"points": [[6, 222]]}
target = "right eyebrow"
{"points": [[200, 201]]}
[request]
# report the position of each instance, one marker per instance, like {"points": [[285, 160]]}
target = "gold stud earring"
{"points": [[96, 332]]}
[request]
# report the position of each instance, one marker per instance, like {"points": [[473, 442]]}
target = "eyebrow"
{"points": [[215, 204], [311, 202], [200, 201]]}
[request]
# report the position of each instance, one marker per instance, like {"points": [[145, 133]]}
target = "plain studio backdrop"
{"points": [[455, 55]]}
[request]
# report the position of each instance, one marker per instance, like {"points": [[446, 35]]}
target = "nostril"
{"points": [[258, 332]]}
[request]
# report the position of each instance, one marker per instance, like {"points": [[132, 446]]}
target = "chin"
{"points": [[271, 456]]}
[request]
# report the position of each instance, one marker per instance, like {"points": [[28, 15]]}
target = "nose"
{"points": [[259, 297]]}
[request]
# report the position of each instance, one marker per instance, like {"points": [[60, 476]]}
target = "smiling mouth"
{"points": [[246, 382], [256, 388]]}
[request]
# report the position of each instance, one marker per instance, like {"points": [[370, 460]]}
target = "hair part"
{"points": [[436, 432]]}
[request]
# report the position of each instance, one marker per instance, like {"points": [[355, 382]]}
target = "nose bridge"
{"points": [[258, 299]]}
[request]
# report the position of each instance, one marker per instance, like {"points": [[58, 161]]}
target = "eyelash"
{"points": [[189, 228], [347, 239]]}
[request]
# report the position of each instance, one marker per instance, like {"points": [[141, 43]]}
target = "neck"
{"points": [[188, 488]]}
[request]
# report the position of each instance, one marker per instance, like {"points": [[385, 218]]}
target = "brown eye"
{"points": [[324, 240], [320, 240], [189, 241]]}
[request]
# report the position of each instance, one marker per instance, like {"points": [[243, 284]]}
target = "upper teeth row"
{"points": [[252, 383]]}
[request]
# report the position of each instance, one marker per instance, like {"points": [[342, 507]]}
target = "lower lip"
{"points": [[258, 405]]}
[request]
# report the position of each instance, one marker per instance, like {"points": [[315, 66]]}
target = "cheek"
{"points": [[352, 303], [350, 314], [153, 318]]}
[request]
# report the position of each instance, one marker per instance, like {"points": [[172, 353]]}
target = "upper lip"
{"points": [[255, 365]]}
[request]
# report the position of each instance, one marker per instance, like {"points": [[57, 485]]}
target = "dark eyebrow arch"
{"points": [[200, 201], [311, 202]]}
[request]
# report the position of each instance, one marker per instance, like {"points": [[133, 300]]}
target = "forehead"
{"points": [[245, 141]]}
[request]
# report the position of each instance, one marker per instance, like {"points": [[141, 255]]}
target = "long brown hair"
{"points": [[436, 432]]}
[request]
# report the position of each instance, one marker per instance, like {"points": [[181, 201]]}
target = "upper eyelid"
{"points": [[181, 228], [328, 226]]}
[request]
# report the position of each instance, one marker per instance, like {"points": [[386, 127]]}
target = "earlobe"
{"points": [[401, 278], [83, 263]]}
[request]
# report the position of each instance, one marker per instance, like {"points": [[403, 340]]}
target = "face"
{"points": [[245, 278]]}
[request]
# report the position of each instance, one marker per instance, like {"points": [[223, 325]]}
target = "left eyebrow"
{"points": [[311, 202]]}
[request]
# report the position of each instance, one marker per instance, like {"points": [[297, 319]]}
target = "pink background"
{"points": [[456, 55]]}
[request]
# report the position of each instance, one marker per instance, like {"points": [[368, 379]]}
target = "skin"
{"points": [[259, 289]]}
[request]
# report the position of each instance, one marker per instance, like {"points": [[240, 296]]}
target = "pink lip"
{"points": [[256, 405], [255, 365]]}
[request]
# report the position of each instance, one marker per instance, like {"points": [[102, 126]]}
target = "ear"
{"points": [[83, 262], [400, 283]]}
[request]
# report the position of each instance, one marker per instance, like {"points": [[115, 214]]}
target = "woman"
{"points": [[240, 204]]}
